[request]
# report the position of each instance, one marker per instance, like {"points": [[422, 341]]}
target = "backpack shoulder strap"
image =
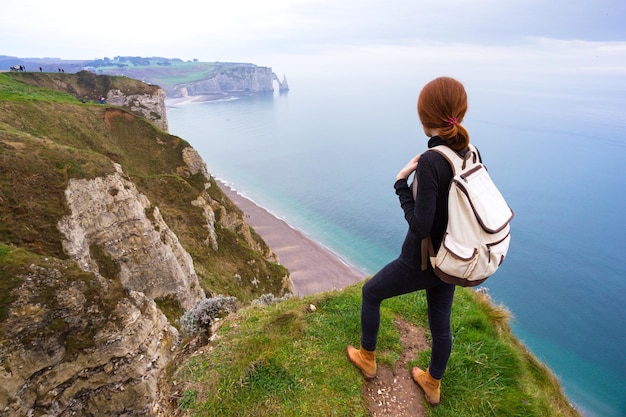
{"points": [[457, 162]]}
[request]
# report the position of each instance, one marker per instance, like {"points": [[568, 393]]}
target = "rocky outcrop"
{"points": [[283, 86], [150, 106], [95, 343], [81, 347], [194, 162], [110, 214]]}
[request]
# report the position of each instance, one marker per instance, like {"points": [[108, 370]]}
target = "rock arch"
{"points": [[282, 85]]}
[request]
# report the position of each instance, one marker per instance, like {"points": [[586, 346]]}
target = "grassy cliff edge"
{"points": [[289, 359]]}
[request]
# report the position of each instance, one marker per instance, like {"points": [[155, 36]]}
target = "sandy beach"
{"points": [[181, 101], [313, 268]]}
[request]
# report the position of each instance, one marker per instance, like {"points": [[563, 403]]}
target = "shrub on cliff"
{"points": [[200, 318]]}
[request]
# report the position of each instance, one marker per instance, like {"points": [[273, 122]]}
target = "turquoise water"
{"points": [[324, 158]]}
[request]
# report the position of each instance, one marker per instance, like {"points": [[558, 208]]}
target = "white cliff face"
{"points": [[240, 79], [110, 213], [150, 106], [195, 164], [209, 215]]}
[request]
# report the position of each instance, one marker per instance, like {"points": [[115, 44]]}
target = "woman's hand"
{"points": [[408, 168]]}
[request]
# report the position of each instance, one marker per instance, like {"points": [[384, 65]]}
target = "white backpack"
{"points": [[477, 236]]}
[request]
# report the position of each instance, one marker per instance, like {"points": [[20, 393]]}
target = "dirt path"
{"points": [[393, 393]]}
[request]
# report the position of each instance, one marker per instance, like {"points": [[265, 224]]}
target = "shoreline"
{"points": [[312, 267], [181, 101], [204, 98]]}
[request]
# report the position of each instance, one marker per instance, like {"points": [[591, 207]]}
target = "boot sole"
{"points": [[368, 377]]}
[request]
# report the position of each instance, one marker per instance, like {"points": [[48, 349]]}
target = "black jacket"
{"points": [[428, 213]]}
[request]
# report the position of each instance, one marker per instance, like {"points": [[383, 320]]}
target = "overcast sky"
{"points": [[582, 35]]}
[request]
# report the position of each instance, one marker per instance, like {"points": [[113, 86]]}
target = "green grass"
{"points": [[84, 86], [13, 90], [177, 72], [9, 280], [33, 176], [490, 373], [283, 360], [274, 361]]}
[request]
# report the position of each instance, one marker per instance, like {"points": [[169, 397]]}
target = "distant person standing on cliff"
{"points": [[441, 106]]}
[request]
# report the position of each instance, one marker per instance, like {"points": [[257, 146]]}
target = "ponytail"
{"points": [[455, 135], [441, 105]]}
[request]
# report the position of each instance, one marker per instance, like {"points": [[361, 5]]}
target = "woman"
{"points": [[441, 106]]}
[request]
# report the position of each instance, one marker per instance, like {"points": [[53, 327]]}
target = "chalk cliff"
{"points": [[109, 212], [78, 344], [231, 79], [149, 105]]}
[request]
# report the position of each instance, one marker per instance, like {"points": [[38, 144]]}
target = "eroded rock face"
{"points": [[109, 213], [81, 346], [84, 336], [194, 162], [150, 106]]}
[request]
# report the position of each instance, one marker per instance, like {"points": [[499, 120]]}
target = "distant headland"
{"points": [[179, 78]]}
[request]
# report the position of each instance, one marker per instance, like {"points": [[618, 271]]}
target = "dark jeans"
{"points": [[397, 278]]}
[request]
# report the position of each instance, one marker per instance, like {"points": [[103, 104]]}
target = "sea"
{"points": [[324, 156]]}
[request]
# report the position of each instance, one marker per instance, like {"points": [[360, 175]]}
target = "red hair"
{"points": [[441, 105]]}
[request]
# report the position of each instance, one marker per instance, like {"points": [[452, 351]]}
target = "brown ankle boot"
{"points": [[363, 359], [430, 385]]}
